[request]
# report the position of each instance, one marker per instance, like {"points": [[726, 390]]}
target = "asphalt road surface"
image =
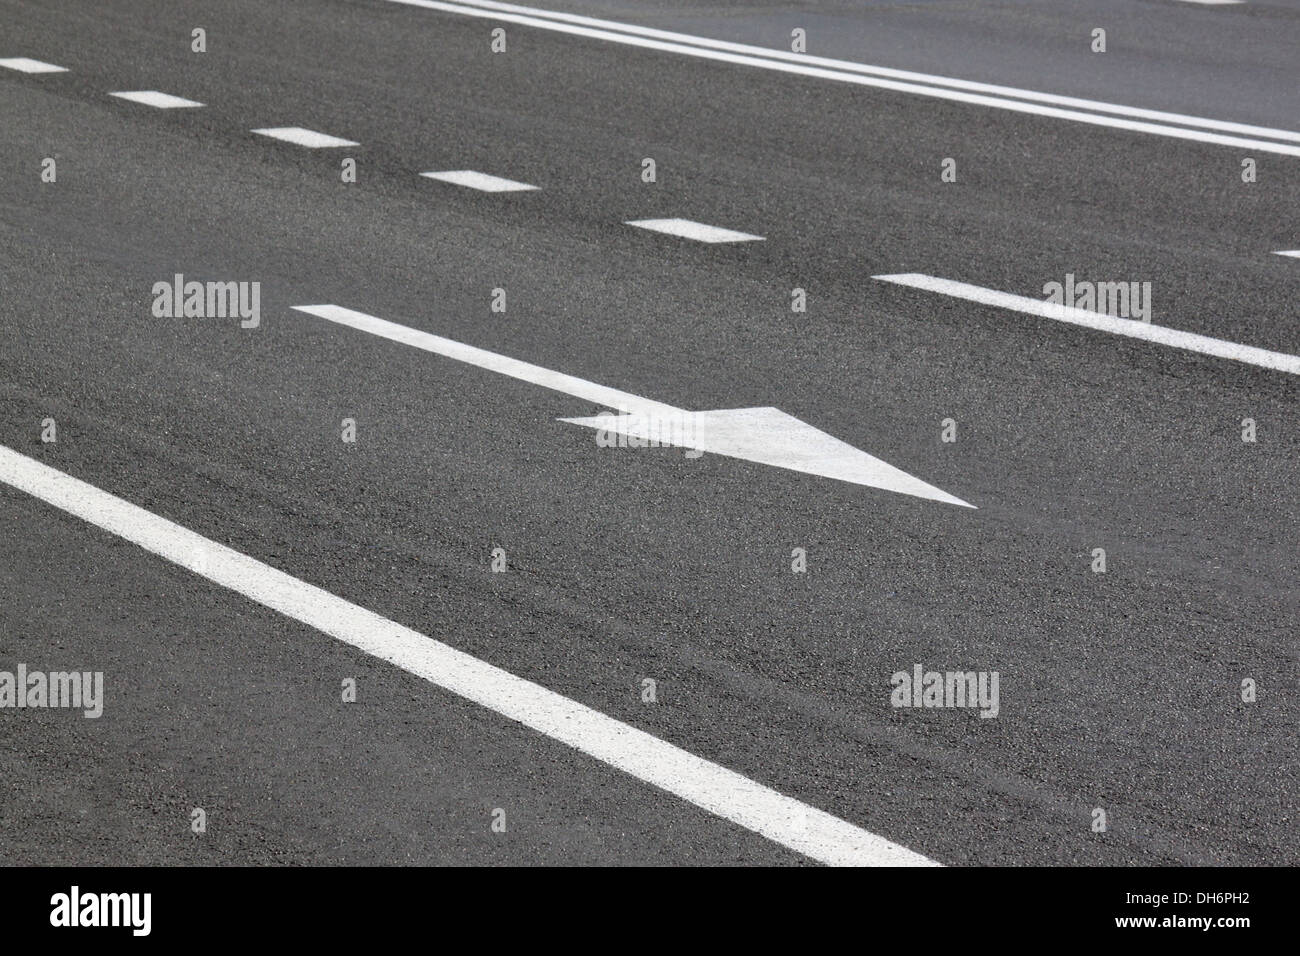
{"points": [[731, 623]]}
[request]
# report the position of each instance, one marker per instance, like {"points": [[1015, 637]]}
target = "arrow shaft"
{"points": [[492, 361]]}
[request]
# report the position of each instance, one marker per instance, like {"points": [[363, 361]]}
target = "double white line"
{"points": [[1159, 123]]}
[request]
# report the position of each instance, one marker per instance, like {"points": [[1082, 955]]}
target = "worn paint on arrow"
{"points": [[767, 436]]}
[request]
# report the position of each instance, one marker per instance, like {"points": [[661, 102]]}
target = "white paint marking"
{"points": [[1097, 106], [1213, 3], [708, 785], [491, 361], [25, 64], [693, 230], [845, 71], [1293, 253], [163, 101], [480, 181], [1133, 328], [304, 137], [765, 435]]}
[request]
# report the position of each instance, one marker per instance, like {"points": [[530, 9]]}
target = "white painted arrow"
{"points": [[765, 435]]}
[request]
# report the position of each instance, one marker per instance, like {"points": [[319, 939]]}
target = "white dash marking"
{"points": [[1214, 3], [304, 137], [693, 230], [162, 101], [25, 64], [480, 181], [1133, 328], [708, 785], [1293, 253]]}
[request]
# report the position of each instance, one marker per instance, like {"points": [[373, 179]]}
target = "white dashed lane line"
{"points": [[304, 137], [693, 230], [27, 65], [1293, 253], [480, 181], [162, 101], [1133, 328]]}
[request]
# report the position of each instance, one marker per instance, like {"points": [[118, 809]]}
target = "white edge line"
{"points": [[623, 32], [1133, 328], [709, 786]]}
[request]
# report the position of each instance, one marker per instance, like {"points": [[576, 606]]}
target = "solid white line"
{"points": [[693, 230], [932, 79], [163, 101], [1293, 253], [304, 137], [25, 64], [1133, 328], [848, 72], [709, 786], [480, 181]]}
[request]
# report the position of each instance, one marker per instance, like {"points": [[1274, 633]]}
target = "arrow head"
{"points": [[770, 437]]}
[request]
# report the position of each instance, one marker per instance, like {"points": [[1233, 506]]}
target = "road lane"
{"points": [[627, 563]]}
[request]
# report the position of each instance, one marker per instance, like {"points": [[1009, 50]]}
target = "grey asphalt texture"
{"points": [[1119, 691]]}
